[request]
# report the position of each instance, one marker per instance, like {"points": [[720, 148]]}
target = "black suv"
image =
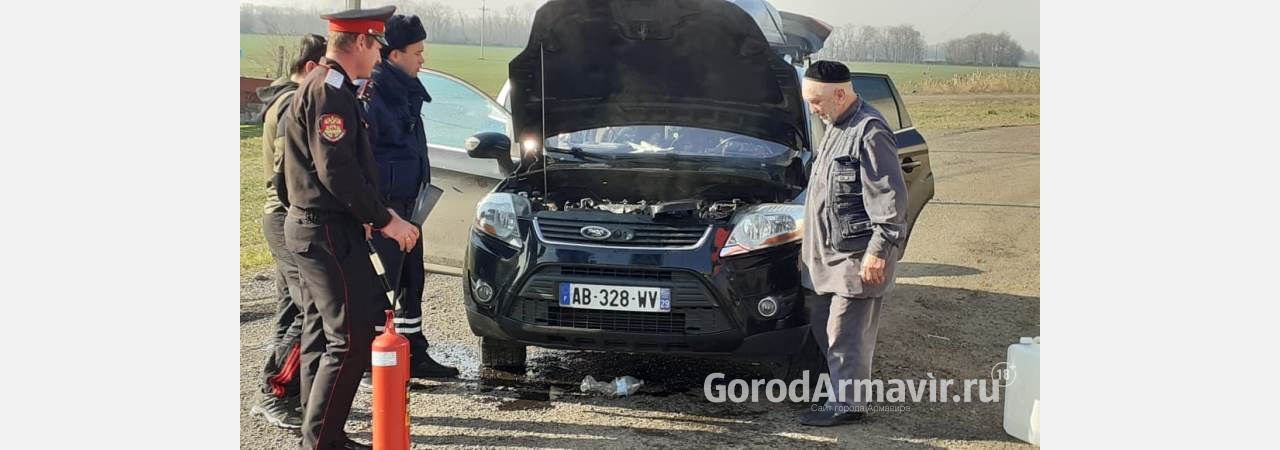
{"points": [[652, 199]]}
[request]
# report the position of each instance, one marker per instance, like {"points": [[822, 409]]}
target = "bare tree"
{"points": [[868, 44], [985, 49], [904, 44]]}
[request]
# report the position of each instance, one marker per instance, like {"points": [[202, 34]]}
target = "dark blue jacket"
{"points": [[399, 142]]}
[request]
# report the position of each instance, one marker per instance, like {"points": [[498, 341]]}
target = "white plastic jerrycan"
{"points": [[1022, 394]]}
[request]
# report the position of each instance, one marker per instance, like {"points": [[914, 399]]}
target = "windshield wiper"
{"points": [[577, 152]]}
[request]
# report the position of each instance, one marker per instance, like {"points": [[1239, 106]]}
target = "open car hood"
{"points": [[699, 63]]}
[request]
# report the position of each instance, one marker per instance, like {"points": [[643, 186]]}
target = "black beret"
{"points": [[403, 30], [828, 72]]}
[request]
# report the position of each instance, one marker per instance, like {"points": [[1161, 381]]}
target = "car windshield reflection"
{"points": [[666, 140], [456, 112]]}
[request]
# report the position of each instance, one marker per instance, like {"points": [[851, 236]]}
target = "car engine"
{"points": [[691, 208]]}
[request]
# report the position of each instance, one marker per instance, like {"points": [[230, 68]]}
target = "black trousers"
{"points": [[409, 282], [340, 305], [280, 373]]}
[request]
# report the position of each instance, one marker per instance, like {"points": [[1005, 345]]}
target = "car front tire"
{"points": [[502, 355]]}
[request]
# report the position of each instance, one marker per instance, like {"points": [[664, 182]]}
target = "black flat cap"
{"points": [[363, 21], [828, 72], [403, 30]]}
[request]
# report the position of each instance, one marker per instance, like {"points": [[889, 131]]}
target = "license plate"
{"points": [[615, 298]]}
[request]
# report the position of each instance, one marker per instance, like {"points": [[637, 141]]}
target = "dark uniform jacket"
{"points": [[328, 165], [399, 142]]}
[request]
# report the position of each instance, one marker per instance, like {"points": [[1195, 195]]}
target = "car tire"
{"points": [[502, 355], [809, 358]]}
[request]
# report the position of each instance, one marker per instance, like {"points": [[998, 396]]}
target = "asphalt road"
{"points": [[968, 287]]}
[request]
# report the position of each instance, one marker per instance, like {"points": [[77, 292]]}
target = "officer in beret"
{"points": [[855, 223], [331, 181], [400, 146]]}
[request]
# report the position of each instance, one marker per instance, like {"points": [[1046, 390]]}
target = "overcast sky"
{"points": [[937, 20]]}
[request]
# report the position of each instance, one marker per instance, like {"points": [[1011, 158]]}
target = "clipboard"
{"points": [[428, 196]]}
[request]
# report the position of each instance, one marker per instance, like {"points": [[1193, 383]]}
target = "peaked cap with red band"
{"points": [[364, 21]]}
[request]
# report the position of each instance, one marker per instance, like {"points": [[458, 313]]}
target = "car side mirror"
{"points": [[491, 145]]}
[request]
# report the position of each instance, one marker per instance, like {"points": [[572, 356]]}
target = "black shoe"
{"points": [[349, 444], [425, 367], [826, 417], [294, 403], [278, 412]]}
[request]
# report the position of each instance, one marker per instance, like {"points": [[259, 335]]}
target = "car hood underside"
{"points": [[700, 63]]}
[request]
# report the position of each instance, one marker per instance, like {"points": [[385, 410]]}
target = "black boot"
{"points": [[425, 367], [279, 412], [828, 416]]}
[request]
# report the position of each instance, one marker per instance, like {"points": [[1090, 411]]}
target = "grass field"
{"points": [[950, 112], [929, 112], [460, 60], [912, 78], [253, 247], [489, 73]]}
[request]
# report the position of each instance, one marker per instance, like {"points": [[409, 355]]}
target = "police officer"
{"points": [[400, 146], [332, 184], [855, 223], [279, 397]]}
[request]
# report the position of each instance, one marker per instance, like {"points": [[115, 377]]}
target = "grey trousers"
{"points": [[848, 338]]}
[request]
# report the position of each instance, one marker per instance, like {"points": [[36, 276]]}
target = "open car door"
{"points": [[456, 111]]}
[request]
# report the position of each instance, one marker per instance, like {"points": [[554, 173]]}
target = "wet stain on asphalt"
{"points": [[556, 376]]}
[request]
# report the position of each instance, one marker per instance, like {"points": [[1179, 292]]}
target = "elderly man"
{"points": [[855, 224]]}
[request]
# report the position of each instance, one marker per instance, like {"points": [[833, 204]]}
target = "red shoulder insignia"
{"points": [[332, 128]]}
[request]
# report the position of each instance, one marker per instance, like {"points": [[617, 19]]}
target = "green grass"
{"points": [[463, 61], [254, 254]]}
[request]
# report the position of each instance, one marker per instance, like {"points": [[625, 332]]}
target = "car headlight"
{"points": [[497, 214], [764, 226]]}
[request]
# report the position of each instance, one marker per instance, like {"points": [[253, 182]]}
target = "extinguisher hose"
{"points": [[382, 276]]}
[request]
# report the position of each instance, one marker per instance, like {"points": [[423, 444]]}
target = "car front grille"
{"points": [[693, 308], [625, 321], [626, 272], [654, 235]]}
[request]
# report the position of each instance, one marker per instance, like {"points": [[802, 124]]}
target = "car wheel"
{"points": [[809, 358], [502, 355]]}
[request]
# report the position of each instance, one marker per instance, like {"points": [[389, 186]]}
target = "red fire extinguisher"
{"points": [[390, 366], [390, 389]]}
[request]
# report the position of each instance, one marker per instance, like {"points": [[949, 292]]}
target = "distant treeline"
{"points": [[509, 27], [904, 44]]}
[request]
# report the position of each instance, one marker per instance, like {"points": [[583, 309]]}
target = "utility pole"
{"points": [[483, 10], [280, 67]]}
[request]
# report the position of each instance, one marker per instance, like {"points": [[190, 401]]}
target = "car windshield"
{"points": [[665, 140]]}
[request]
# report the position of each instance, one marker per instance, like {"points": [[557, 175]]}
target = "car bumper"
{"points": [[713, 300]]}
